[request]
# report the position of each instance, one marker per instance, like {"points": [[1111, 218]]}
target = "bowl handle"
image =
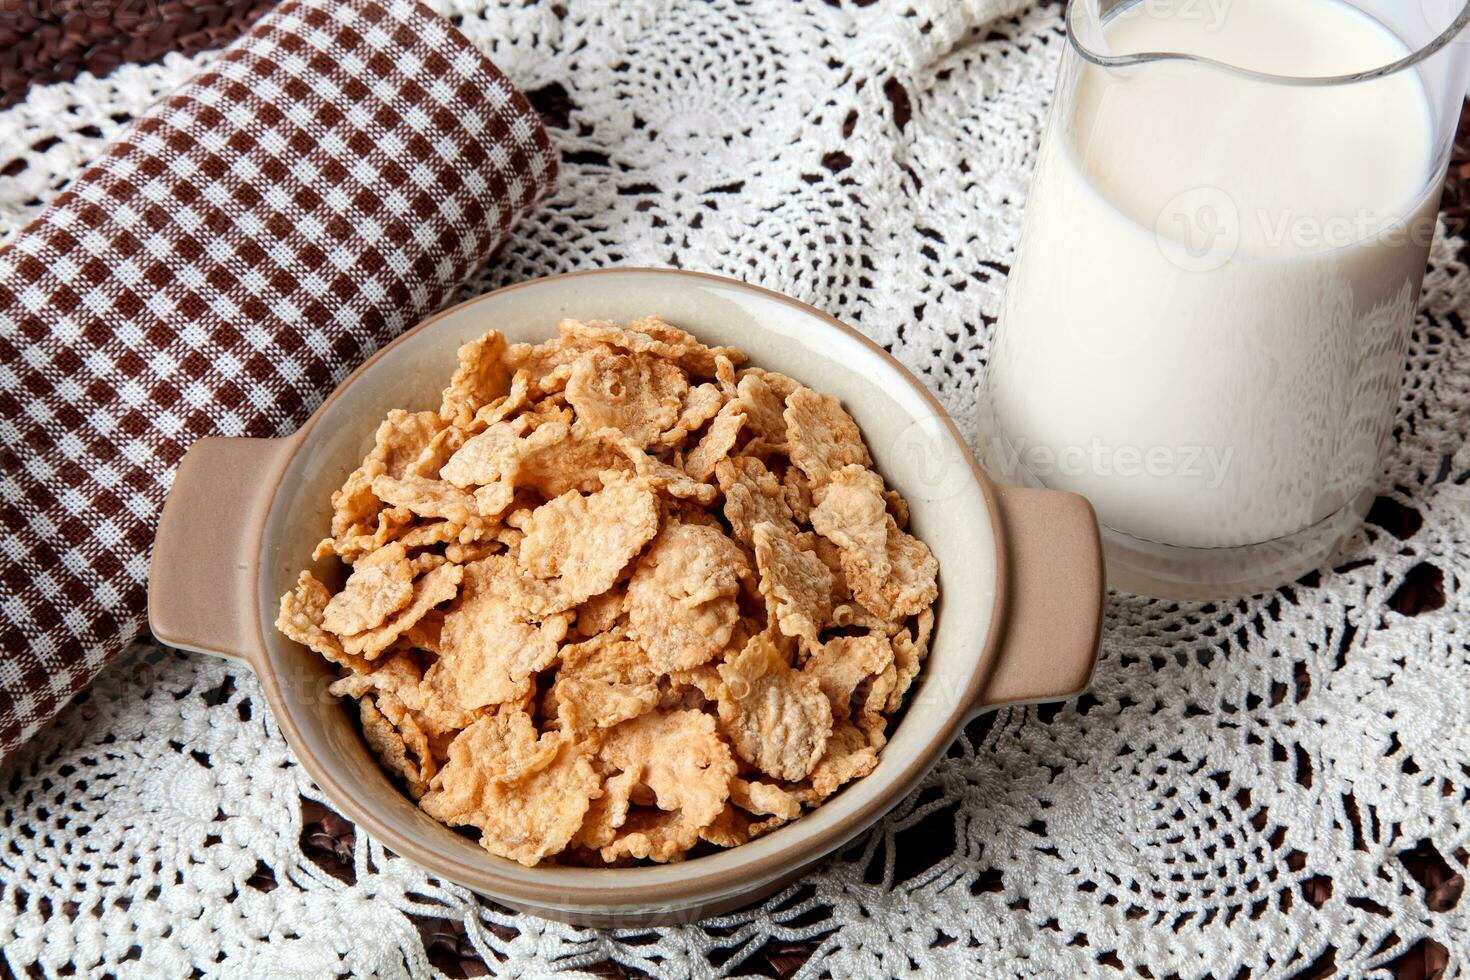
{"points": [[1055, 582], [201, 589]]}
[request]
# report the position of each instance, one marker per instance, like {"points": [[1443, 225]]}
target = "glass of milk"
{"points": [[1205, 325]]}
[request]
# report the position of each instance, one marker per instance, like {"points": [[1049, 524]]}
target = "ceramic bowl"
{"points": [[1018, 617]]}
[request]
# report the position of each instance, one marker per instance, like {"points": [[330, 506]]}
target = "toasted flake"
{"points": [[464, 554], [780, 384], [426, 562], [696, 687], [439, 585], [822, 437], [669, 479], [494, 499], [603, 681], [432, 499], [424, 635], [911, 585], [393, 675], [687, 768], [701, 403], [653, 336], [909, 651], [849, 755], [354, 508], [585, 542], [725, 375], [516, 400], [798, 493], [443, 683], [735, 826], [489, 456], [431, 460], [777, 718], [391, 745], [490, 644], [480, 378], [399, 440], [843, 663], [890, 572], [400, 677], [870, 716], [429, 535], [525, 819], [551, 458], [682, 598], [897, 507], [759, 797], [392, 522], [716, 444], [600, 613], [502, 747], [609, 811], [638, 394], [380, 585], [548, 365], [764, 412], [795, 583], [753, 496], [302, 610], [578, 462]]}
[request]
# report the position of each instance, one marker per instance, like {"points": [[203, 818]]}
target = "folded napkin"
{"points": [[328, 181]]}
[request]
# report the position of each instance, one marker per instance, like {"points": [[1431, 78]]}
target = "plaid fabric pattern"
{"points": [[326, 183]]}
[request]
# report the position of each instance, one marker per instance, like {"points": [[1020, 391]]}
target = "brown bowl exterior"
{"points": [[1018, 620]]}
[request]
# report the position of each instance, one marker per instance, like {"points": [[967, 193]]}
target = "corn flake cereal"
{"points": [[777, 718], [584, 542], [795, 583], [603, 681], [637, 394], [753, 496], [439, 585], [526, 818], [823, 437], [491, 644], [380, 585], [686, 770], [619, 598], [682, 597], [481, 377]]}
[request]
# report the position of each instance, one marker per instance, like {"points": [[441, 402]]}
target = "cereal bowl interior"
{"points": [[914, 446]]}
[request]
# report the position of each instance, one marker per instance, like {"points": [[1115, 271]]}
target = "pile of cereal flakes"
{"points": [[616, 598]]}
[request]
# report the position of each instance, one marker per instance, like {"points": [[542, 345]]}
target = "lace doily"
{"points": [[1264, 788]]}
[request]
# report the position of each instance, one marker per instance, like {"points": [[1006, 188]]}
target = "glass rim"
{"points": [[1102, 60]]}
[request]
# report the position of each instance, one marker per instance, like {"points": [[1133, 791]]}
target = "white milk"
{"points": [[1205, 327]]}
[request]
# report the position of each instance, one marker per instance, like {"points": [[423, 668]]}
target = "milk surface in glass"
{"points": [[1205, 326]]}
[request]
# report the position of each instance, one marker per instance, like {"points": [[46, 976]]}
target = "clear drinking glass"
{"points": [[1205, 326]]}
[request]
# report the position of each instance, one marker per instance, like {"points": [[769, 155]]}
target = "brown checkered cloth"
{"points": [[328, 181]]}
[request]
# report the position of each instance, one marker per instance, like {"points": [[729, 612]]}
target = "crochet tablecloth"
{"points": [[1271, 787]]}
